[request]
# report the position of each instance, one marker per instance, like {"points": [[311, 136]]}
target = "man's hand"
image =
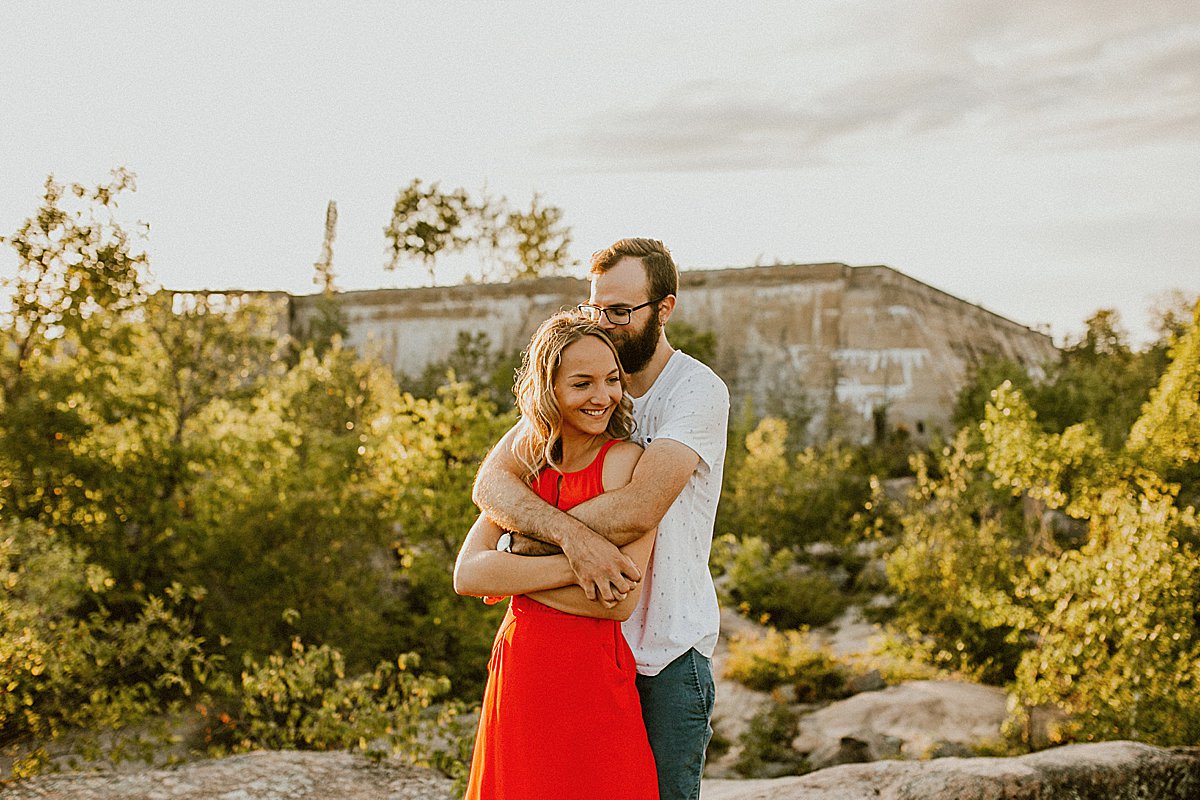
{"points": [[601, 570], [523, 545]]}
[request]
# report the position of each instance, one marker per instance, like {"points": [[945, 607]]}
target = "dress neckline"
{"points": [[599, 454]]}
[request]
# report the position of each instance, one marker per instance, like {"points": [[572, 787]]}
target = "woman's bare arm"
{"points": [[482, 570], [572, 600]]}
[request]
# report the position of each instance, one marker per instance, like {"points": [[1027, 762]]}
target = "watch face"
{"points": [[504, 542]]}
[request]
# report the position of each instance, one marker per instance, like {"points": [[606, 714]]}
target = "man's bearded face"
{"points": [[635, 345]]}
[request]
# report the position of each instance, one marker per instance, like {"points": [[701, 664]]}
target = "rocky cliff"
{"points": [[851, 340]]}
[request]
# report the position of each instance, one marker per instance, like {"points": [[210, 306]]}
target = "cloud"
{"points": [[1062, 75]]}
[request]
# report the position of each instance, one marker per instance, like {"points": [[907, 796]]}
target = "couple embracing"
{"points": [[598, 519]]}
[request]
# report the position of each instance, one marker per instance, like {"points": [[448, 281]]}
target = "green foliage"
{"points": [[66, 663], [1102, 626], [1098, 378], [74, 263], [952, 569], [786, 659], [791, 499], [428, 224], [172, 441], [982, 377], [1166, 437], [700, 345], [473, 361], [767, 744], [306, 701], [540, 241], [1118, 642], [771, 585]]}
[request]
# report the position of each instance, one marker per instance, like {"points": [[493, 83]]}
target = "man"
{"points": [[681, 408]]}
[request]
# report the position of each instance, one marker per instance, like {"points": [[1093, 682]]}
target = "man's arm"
{"points": [[626, 514], [571, 599], [600, 568]]}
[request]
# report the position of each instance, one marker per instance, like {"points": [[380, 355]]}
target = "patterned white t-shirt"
{"points": [[677, 611]]}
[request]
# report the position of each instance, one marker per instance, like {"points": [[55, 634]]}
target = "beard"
{"points": [[636, 349]]}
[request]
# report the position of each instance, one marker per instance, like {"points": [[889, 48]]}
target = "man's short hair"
{"points": [[662, 276]]}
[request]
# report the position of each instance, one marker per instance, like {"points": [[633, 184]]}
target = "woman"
{"points": [[561, 716]]}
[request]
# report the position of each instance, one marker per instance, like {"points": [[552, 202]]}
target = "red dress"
{"points": [[561, 717]]}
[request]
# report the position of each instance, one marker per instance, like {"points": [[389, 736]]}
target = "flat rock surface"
{"points": [[1107, 771], [279, 775], [915, 715]]}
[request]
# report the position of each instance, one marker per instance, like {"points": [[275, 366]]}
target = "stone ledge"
{"points": [[273, 775], [1106, 771]]}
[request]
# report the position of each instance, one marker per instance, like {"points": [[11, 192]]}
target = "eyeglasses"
{"points": [[617, 315]]}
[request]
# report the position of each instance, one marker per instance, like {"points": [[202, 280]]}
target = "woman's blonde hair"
{"points": [[539, 443]]}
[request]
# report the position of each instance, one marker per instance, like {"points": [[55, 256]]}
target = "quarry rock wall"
{"points": [[852, 347]]}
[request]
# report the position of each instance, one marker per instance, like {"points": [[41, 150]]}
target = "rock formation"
{"points": [[1107, 771]]}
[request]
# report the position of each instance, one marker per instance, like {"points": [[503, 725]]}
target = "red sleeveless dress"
{"points": [[561, 717]]}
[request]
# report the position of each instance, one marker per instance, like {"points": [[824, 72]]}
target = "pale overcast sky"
{"points": [[1040, 158]]}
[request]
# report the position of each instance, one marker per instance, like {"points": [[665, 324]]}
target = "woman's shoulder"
{"points": [[619, 462]]}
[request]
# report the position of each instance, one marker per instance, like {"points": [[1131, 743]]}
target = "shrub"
{"points": [[66, 663], [766, 744], [771, 584], [305, 701], [786, 659]]}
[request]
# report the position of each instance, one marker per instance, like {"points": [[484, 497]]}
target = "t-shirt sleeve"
{"points": [[697, 415]]}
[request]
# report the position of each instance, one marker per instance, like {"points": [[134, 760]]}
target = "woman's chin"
{"points": [[593, 425]]}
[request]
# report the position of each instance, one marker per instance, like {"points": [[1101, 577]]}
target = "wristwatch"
{"points": [[504, 543]]}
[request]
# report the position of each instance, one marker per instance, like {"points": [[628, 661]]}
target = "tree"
{"points": [[1117, 636], [1166, 437], [428, 224], [540, 242], [74, 260]]}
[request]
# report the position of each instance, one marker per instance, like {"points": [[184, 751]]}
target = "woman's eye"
{"points": [[612, 381]]}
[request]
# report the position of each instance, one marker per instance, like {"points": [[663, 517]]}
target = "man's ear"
{"points": [[665, 307]]}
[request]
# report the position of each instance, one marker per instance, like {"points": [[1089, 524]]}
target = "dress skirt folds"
{"points": [[561, 716]]}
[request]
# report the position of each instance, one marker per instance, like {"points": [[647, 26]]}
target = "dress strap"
{"points": [[596, 468]]}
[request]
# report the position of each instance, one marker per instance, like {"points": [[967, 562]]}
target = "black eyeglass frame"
{"points": [[628, 312]]}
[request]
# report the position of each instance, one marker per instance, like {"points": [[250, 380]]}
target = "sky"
{"points": [[1041, 158]]}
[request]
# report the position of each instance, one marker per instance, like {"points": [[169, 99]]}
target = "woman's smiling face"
{"points": [[587, 386]]}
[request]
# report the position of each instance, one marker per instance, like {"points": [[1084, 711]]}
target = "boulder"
{"points": [[1105, 771], [926, 717]]}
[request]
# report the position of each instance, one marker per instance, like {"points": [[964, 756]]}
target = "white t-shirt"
{"points": [[677, 611]]}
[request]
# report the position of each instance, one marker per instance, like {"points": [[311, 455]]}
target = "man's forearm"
{"points": [[512, 505], [614, 517]]}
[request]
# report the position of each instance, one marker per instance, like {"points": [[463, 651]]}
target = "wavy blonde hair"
{"points": [[539, 443]]}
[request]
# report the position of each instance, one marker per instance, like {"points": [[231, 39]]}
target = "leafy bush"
{"points": [[791, 499], [767, 744], [1118, 642], [66, 663], [1103, 626], [772, 586], [953, 568], [305, 701], [786, 659]]}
